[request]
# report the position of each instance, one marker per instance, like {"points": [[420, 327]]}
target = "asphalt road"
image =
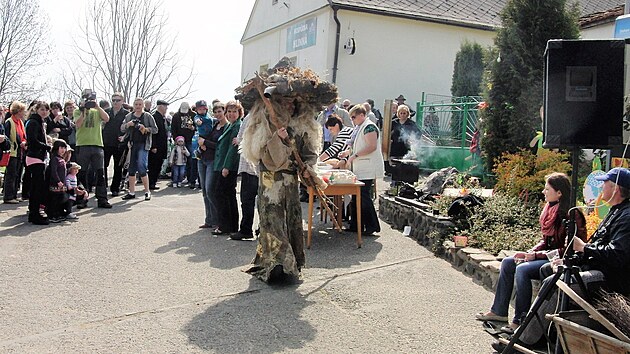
{"points": [[142, 277]]}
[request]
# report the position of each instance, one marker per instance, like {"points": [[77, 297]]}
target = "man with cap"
{"points": [[183, 125], [608, 249], [401, 100], [605, 259], [113, 143], [159, 146]]}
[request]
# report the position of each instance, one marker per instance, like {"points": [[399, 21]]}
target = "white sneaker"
{"points": [[72, 216], [147, 196]]}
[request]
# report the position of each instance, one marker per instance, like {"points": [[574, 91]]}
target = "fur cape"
{"points": [[260, 129]]}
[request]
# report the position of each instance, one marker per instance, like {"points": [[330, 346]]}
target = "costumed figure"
{"points": [[283, 140]]}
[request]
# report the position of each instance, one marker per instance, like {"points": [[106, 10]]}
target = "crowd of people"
{"points": [[61, 156]]}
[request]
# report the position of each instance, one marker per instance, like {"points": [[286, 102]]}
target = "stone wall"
{"points": [[482, 266]]}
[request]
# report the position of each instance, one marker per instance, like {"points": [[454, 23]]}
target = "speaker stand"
{"points": [[575, 165]]}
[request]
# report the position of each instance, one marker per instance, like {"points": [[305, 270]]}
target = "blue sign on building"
{"points": [[622, 27], [302, 35]]}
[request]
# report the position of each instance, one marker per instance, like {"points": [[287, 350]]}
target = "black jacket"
{"points": [[6, 145], [111, 129], [402, 136], [160, 139], [36, 137], [180, 126], [64, 125], [609, 248]]}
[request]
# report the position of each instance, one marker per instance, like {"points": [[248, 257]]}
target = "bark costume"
{"points": [[281, 241]]}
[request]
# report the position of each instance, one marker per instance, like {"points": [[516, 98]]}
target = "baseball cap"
{"points": [[201, 103], [618, 175], [162, 103]]}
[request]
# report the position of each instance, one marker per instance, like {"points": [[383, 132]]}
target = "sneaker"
{"points": [[147, 196], [72, 216], [128, 196], [56, 219], [12, 201], [154, 188], [179, 185], [115, 194]]}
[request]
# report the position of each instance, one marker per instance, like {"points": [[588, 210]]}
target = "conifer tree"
{"points": [[468, 70], [515, 77], [467, 77]]}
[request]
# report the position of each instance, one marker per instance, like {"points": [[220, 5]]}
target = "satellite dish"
{"points": [[350, 46]]}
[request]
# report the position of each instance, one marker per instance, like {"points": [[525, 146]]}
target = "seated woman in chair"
{"points": [[525, 266]]}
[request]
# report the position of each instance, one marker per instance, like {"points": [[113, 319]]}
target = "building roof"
{"points": [[483, 14], [597, 18]]}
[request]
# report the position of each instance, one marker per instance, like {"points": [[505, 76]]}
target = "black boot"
{"points": [[38, 219], [276, 275]]}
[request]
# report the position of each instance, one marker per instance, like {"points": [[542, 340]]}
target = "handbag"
{"points": [[4, 160], [57, 189]]}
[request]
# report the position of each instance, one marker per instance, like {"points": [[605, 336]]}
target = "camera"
{"points": [[88, 99]]}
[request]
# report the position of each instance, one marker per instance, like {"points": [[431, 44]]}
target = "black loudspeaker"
{"points": [[583, 93]]}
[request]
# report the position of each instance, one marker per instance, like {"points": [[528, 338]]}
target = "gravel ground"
{"points": [[142, 277]]}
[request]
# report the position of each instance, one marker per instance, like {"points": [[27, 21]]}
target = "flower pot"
{"points": [[460, 241]]}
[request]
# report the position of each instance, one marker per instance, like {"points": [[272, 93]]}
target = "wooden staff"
{"points": [[310, 180]]}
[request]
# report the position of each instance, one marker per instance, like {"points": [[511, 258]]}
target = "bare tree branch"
{"points": [[124, 47], [23, 48]]}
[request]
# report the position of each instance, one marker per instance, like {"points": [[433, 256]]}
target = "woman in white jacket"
{"points": [[366, 161]]}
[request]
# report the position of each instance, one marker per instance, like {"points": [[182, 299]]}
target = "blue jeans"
{"points": [[206, 175], [524, 273], [178, 172], [139, 160]]}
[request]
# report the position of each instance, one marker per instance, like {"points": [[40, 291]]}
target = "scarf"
{"points": [[548, 219], [19, 128]]}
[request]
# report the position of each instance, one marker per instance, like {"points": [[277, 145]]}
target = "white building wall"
{"points": [[605, 31], [269, 47], [393, 56], [397, 56], [267, 16]]}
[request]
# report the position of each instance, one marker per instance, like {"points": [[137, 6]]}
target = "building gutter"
{"points": [[337, 37]]}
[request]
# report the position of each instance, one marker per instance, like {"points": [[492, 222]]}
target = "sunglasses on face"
{"points": [[116, 100]]}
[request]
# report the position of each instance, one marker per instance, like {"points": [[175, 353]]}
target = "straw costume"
{"points": [[293, 98]]}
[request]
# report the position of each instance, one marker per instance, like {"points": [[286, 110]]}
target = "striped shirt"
{"points": [[339, 143]]}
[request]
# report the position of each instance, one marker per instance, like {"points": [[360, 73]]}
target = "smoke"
{"points": [[421, 147]]}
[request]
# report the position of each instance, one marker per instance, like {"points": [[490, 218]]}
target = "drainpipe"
{"points": [[626, 8], [337, 36]]}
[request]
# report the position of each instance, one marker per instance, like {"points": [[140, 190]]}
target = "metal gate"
{"points": [[448, 125]]}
